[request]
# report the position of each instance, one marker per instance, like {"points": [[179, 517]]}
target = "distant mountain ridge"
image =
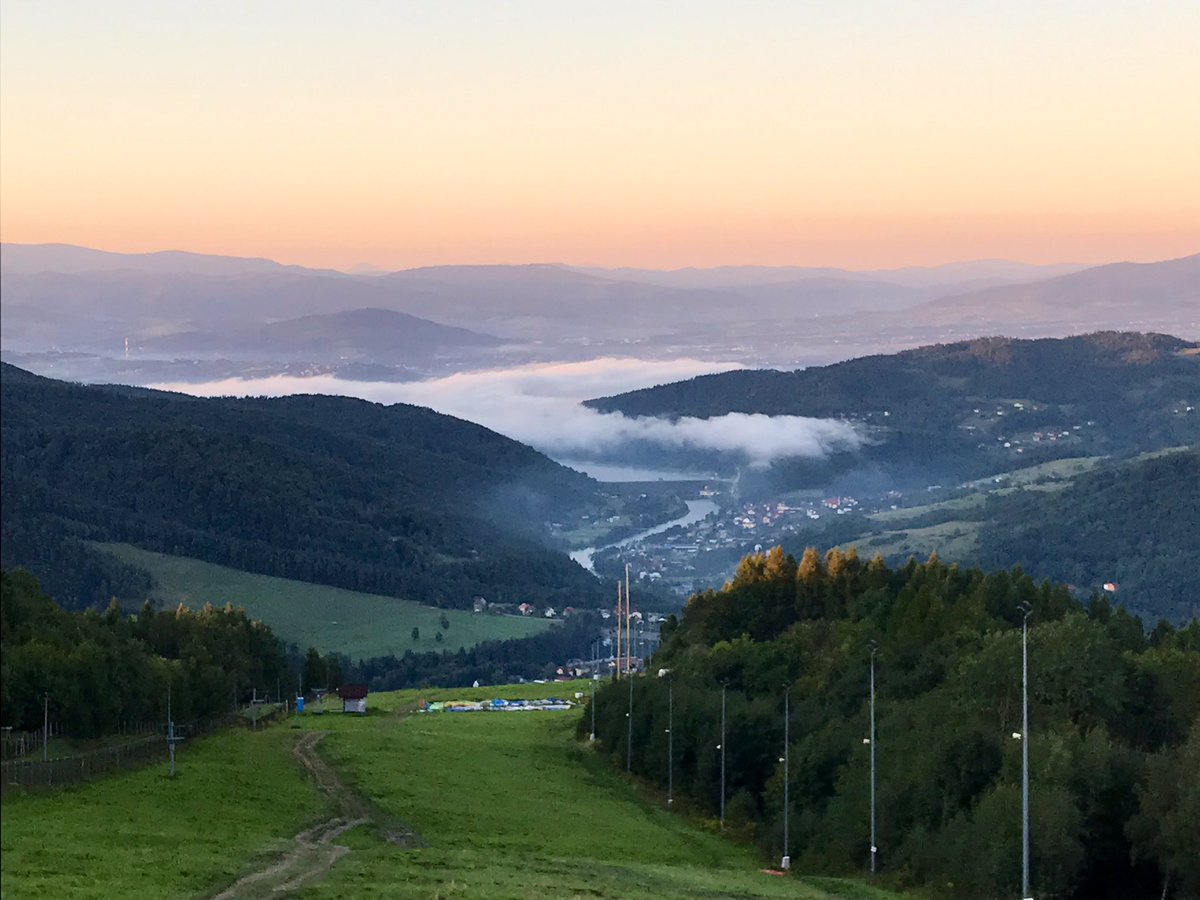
{"points": [[373, 334], [960, 410], [547, 312], [394, 500], [1120, 292]]}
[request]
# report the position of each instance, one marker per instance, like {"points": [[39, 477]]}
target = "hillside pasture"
{"points": [[313, 615]]}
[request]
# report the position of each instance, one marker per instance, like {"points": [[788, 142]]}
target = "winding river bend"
{"points": [[697, 510]]}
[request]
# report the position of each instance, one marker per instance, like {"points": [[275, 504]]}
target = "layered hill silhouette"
{"points": [[964, 409], [394, 500], [73, 298], [358, 334]]}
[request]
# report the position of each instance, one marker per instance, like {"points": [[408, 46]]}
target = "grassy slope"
{"points": [[367, 624], [512, 806], [509, 803], [141, 835], [955, 538]]}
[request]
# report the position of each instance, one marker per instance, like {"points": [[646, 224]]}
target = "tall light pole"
{"points": [[724, 685], [1027, 610], [620, 612], [872, 646], [670, 737], [786, 862], [593, 707], [629, 732]]}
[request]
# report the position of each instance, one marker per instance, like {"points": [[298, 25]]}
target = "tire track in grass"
{"points": [[313, 850]]}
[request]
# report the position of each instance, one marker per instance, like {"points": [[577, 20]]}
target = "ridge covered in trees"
{"points": [[921, 408], [1114, 725], [1136, 525], [102, 669], [395, 500]]}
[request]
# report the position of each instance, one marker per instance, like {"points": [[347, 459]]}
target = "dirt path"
{"points": [[313, 850]]}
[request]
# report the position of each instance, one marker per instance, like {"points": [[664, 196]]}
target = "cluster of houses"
{"points": [[480, 605]]}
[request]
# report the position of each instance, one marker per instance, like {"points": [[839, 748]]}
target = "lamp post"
{"points": [[872, 646], [629, 731], [786, 862], [593, 738], [1027, 610], [670, 733], [724, 686]]}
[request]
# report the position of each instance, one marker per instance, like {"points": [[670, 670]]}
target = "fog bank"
{"points": [[540, 405]]}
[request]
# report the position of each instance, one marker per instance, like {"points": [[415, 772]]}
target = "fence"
{"points": [[31, 773]]}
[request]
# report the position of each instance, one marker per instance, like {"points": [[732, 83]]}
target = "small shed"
{"points": [[354, 698]]}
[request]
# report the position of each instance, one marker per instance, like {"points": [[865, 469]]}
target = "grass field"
{"points": [[313, 615], [141, 834], [506, 805], [950, 540]]}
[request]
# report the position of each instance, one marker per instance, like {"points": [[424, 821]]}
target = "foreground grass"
{"points": [[509, 804], [141, 834], [313, 615], [512, 806]]}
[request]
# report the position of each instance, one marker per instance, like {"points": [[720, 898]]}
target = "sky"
{"points": [[867, 134]]}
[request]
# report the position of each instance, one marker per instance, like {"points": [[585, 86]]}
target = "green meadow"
{"points": [[503, 804], [314, 615]]}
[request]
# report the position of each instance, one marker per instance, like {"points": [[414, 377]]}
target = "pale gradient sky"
{"points": [[862, 134]]}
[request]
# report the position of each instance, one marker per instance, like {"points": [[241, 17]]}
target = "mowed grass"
{"points": [[512, 806], [141, 834], [313, 615]]}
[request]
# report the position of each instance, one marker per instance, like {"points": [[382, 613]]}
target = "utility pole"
{"points": [[629, 732], [620, 612], [724, 685], [170, 731], [872, 646], [1027, 610], [628, 620], [786, 863], [670, 737], [593, 738], [46, 726]]}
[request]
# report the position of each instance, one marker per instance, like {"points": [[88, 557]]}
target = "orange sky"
{"points": [[657, 135]]}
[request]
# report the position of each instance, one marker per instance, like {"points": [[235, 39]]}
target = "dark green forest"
{"points": [[1136, 525], [102, 669], [394, 500], [1132, 523], [1114, 733], [920, 406]]}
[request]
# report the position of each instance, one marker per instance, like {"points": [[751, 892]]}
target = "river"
{"points": [[697, 510]]}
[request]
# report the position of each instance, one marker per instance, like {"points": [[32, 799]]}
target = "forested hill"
{"points": [[1114, 736], [1135, 525], [1089, 370], [956, 411], [388, 499]]}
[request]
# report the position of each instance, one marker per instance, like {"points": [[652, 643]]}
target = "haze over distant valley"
{"points": [[517, 348]]}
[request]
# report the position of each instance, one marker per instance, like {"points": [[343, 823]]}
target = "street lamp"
{"points": [[666, 673], [1027, 610], [629, 732], [724, 686], [873, 647], [786, 862]]}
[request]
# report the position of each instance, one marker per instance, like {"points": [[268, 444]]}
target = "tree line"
{"points": [[102, 669], [1114, 726]]}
